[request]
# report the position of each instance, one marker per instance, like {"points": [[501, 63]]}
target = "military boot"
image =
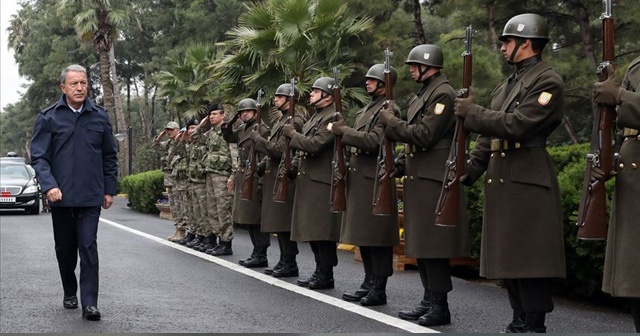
{"points": [[323, 281], [195, 242], [257, 259], [419, 310], [534, 323], [210, 242], [439, 313], [269, 270], [313, 277], [173, 236], [188, 238], [361, 292], [378, 294], [517, 325], [223, 249], [289, 268], [180, 234]]}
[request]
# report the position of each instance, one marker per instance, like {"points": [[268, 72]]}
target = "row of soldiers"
{"points": [[522, 239]]}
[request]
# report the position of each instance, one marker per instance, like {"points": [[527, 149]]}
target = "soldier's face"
{"points": [[192, 128], [279, 102], [75, 88], [216, 117], [372, 86], [414, 69], [172, 132], [247, 115], [507, 50]]}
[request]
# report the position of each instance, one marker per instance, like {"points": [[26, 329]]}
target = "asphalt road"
{"points": [[148, 284]]}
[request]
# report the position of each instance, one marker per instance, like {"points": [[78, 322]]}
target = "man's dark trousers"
{"points": [[75, 231]]}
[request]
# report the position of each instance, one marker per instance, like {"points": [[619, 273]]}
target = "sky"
{"points": [[10, 81]]}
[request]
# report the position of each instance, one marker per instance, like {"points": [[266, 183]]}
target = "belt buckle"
{"points": [[630, 132]]}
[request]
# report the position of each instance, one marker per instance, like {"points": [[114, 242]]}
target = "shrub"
{"points": [[143, 190]]}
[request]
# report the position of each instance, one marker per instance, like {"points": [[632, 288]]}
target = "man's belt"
{"points": [[358, 151], [410, 148], [629, 132], [500, 144]]}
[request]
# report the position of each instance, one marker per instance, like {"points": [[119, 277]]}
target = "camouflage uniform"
{"points": [[197, 192], [179, 163]]}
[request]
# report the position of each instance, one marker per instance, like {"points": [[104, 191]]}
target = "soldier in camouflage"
{"points": [[166, 146]]}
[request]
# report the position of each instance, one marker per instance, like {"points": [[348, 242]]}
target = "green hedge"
{"points": [[143, 190]]}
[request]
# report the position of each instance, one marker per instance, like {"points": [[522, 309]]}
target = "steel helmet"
{"points": [[325, 84], [285, 90], [376, 71], [427, 54], [247, 104], [527, 25]]}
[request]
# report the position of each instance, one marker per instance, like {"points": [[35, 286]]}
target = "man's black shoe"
{"points": [[305, 282], [91, 313], [256, 261], [355, 295], [436, 316], [415, 313], [323, 281], [269, 271], [223, 249], [70, 302], [286, 271]]}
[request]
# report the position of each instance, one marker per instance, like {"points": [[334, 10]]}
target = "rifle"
{"points": [[382, 191], [282, 180], [337, 196], [448, 203], [246, 189], [592, 214]]}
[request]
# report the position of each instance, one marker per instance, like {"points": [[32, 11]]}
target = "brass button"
{"points": [[634, 166], [621, 166], [411, 178], [411, 155], [501, 181], [502, 154], [489, 181], [492, 154], [299, 174]]}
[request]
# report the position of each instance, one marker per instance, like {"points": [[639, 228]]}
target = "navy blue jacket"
{"points": [[75, 153]]}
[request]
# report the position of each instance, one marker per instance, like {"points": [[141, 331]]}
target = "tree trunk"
{"points": [[121, 121], [585, 34], [569, 128], [107, 87], [417, 18], [491, 29]]}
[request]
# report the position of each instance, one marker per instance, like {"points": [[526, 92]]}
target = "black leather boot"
{"points": [[517, 324], [208, 243], [419, 310], [223, 249], [289, 268], [323, 281], [269, 270], [534, 323], [439, 313], [196, 241], [242, 261], [313, 277], [634, 305], [259, 260], [189, 237], [361, 292], [378, 294]]}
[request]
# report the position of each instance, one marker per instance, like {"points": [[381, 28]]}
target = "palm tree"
{"points": [[279, 39], [97, 22]]}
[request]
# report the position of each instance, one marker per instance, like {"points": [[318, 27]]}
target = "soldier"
{"points": [[247, 212], [312, 220], [621, 266], [428, 133], [276, 216], [374, 235], [180, 166], [166, 146], [522, 231], [216, 162]]}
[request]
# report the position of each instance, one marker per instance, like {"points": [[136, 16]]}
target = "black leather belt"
{"points": [[500, 144], [444, 143]]}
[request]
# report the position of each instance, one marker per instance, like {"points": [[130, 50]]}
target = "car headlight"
{"points": [[30, 189]]}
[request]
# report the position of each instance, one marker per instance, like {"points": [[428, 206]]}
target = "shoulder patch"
{"points": [[544, 98], [439, 109]]}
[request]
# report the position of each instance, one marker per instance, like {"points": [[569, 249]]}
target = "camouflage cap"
{"points": [[172, 125]]}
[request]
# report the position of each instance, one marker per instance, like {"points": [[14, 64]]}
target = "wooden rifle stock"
{"points": [[246, 190], [449, 201], [592, 214], [337, 196], [282, 180], [383, 190]]}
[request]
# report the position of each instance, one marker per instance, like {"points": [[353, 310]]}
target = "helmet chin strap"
{"points": [[322, 96], [422, 73], [511, 58]]}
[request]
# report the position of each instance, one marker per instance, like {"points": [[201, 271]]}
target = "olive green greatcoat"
{"points": [[359, 225], [276, 216], [428, 132], [312, 220], [522, 234], [622, 264], [244, 211]]}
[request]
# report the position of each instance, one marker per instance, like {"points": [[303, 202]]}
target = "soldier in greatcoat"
{"points": [[522, 233], [374, 235], [247, 212], [427, 134], [312, 219], [621, 264], [276, 216]]}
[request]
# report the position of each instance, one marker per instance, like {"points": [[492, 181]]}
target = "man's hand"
{"points": [[54, 195], [398, 170], [608, 92], [463, 105], [288, 130], [465, 180], [385, 115], [254, 135], [231, 184], [108, 201], [159, 136], [337, 127]]}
